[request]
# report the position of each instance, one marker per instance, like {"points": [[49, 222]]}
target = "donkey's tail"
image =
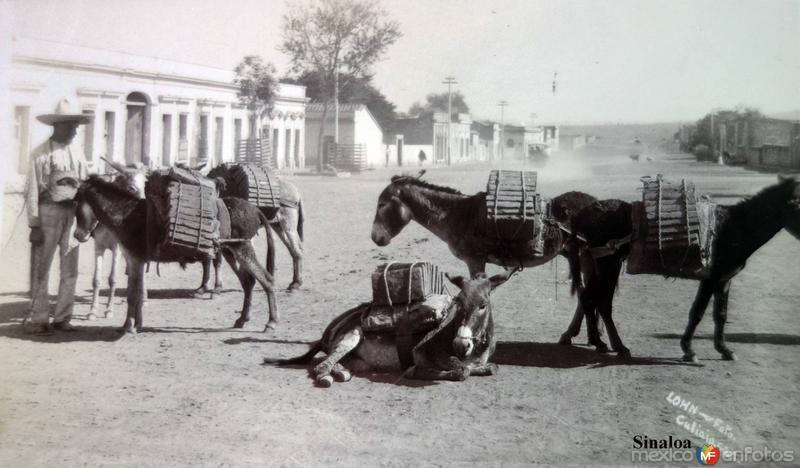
{"points": [[300, 218], [270, 243], [302, 359]]}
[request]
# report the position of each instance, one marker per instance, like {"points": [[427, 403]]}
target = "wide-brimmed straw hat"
{"points": [[64, 112]]}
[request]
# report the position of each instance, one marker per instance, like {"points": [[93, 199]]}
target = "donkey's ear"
{"points": [[787, 177], [199, 167], [421, 173], [497, 280], [457, 280]]}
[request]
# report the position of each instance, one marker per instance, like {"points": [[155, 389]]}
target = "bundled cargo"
{"points": [[405, 283], [672, 232], [182, 214], [514, 211], [251, 182], [408, 318]]}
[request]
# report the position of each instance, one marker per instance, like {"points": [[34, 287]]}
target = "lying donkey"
{"points": [[460, 346]]}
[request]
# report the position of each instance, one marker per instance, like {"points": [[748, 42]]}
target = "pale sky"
{"points": [[621, 60]]}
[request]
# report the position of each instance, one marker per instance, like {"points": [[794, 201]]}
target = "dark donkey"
{"points": [[102, 202], [460, 221], [459, 347], [741, 230]]}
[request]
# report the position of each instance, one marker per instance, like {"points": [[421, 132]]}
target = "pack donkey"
{"points": [[287, 221], [741, 230], [101, 202], [131, 178], [459, 347]]}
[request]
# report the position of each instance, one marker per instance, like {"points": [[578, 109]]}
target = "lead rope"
{"points": [[410, 277]]}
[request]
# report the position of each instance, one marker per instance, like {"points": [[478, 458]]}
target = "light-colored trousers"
{"points": [[57, 220]]}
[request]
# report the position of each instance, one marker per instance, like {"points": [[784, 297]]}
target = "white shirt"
{"points": [[44, 158]]}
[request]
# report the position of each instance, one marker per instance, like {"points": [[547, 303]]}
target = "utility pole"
{"points": [[502, 105], [449, 81]]}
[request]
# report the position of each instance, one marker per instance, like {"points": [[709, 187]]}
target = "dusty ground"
{"points": [[190, 391]]}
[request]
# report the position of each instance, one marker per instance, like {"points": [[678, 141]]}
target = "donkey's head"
{"points": [[132, 177], [473, 312], [392, 214], [85, 220]]}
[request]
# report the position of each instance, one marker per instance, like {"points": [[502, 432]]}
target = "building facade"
{"points": [[760, 142], [146, 110], [358, 131]]}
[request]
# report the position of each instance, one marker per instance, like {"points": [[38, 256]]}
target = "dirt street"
{"points": [[190, 391]]}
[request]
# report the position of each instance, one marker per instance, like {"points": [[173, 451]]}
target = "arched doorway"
{"points": [[137, 129]]}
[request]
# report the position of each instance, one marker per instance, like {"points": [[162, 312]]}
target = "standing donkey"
{"points": [[131, 178]]}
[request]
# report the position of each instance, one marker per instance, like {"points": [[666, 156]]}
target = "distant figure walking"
{"points": [[422, 157]]}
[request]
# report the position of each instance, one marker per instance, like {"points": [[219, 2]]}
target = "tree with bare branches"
{"points": [[338, 40]]}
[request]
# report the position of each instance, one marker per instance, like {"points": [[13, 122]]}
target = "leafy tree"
{"points": [[356, 90], [257, 87], [437, 102], [339, 41]]}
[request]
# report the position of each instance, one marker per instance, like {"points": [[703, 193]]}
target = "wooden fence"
{"points": [[255, 151], [351, 158]]}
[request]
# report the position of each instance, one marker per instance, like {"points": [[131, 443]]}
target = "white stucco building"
{"points": [[145, 109], [358, 132]]}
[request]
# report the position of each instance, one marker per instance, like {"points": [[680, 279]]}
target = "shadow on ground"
{"points": [[756, 338], [556, 356]]}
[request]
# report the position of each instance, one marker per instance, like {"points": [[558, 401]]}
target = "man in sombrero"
{"points": [[55, 174]]}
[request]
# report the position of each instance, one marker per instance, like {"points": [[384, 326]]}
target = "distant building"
{"points": [[760, 142], [360, 136], [486, 140], [571, 142], [429, 133]]}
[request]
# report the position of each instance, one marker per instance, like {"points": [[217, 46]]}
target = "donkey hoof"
{"points": [[239, 323], [565, 340], [341, 375], [217, 289], [127, 331], [91, 316], [271, 325], [324, 381], [625, 353], [602, 348], [294, 287], [690, 357], [200, 292], [728, 356]]}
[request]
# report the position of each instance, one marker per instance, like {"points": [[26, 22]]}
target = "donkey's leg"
{"points": [[246, 257], [340, 374], [217, 276], [140, 296], [458, 371], [483, 369], [720, 317], [247, 281], [610, 267], [203, 289], [574, 327], [695, 316], [112, 281], [98, 271], [346, 343], [287, 230], [135, 293]]}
